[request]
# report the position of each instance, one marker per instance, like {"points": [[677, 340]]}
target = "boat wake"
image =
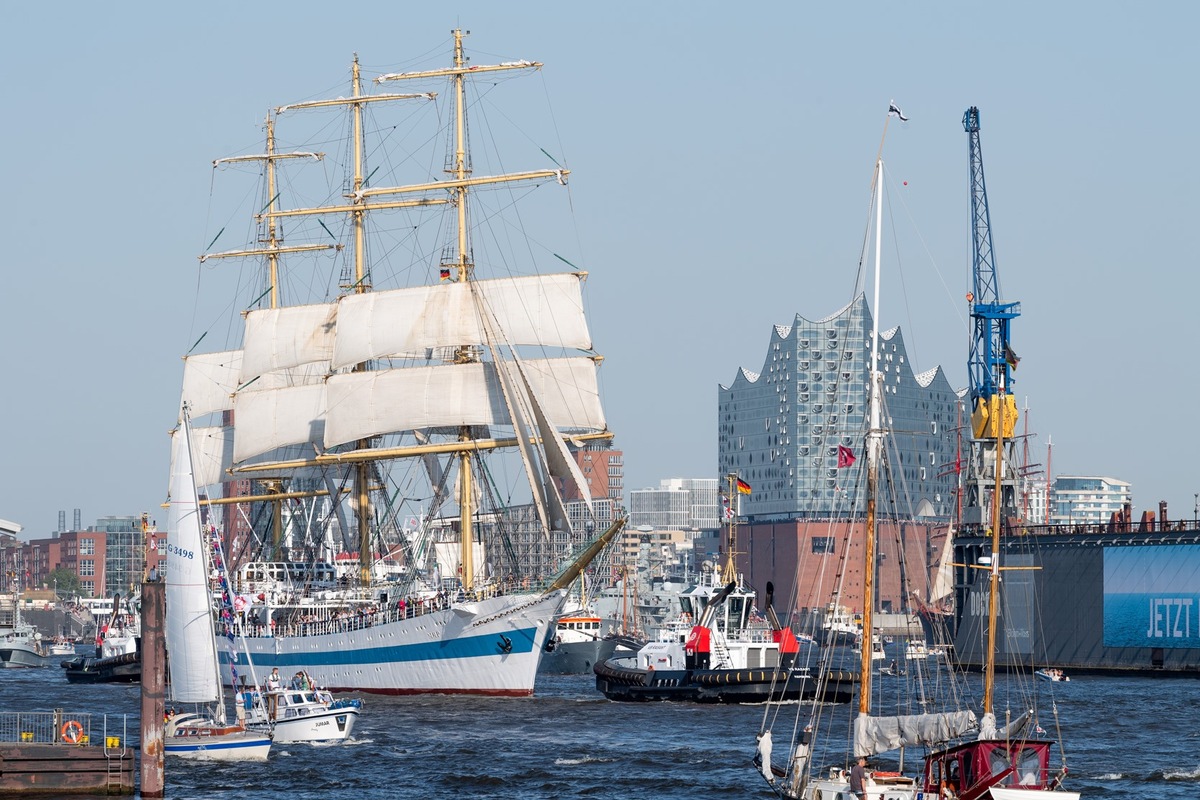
{"points": [[1176, 775], [575, 762]]}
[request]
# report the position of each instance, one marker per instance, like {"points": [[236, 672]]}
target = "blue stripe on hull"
{"points": [[204, 747], [330, 656]]}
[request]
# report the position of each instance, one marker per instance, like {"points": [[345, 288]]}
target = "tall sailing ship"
{"points": [[380, 424]]}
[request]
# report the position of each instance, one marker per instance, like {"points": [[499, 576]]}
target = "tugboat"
{"points": [[118, 657], [716, 651]]}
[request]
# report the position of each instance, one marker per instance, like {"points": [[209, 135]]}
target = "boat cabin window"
{"points": [[1027, 765], [739, 609]]}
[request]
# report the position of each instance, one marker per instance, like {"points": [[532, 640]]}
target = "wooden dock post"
{"points": [[153, 687]]}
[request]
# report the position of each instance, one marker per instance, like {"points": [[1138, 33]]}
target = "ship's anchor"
{"points": [[505, 644]]}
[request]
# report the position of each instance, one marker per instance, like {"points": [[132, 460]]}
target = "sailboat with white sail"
{"points": [[391, 404], [206, 733]]}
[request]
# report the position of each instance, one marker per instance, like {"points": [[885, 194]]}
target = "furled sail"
{"points": [[545, 310], [879, 734], [189, 625]]}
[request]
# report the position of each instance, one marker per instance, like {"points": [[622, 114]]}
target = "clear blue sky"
{"points": [[721, 160]]}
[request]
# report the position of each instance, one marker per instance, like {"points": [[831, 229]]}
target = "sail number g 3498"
{"points": [[173, 550]]}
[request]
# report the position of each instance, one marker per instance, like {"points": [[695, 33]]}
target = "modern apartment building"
{"points": [[1087, 500]]}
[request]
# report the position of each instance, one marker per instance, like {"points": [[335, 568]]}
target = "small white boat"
{"points": [[916, 650], [200, 737], [299, 715], [1052, 674], [62, 647], [21, 646]]}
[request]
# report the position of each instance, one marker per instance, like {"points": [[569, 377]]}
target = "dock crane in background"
{"points": [[991, 361]]}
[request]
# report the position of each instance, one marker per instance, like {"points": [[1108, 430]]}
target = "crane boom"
{"points": [[991, 361]]}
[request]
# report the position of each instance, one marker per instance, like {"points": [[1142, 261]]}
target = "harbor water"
{"points": [[1127, 737]]}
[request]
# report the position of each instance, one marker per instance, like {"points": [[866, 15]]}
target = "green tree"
{"points": [[65, 581]]}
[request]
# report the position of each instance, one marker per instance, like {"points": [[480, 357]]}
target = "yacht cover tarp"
{"points": [[879, 734]]}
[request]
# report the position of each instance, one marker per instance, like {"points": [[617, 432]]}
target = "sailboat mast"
{"points": [[463, 269], [874, 434], [362, 470], [457, 187], [989, 669], [730, 573], [274, 486], [460, 155], [272, 248]]}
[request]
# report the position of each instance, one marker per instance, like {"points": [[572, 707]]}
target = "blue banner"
{"points": [[1152, 596]]}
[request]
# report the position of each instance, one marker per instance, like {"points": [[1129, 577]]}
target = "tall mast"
{"points": [[357, 209], [989, 673], [1049, 475], [272, 249], [461, 264], [362, 470], [730, 572], [874, 436], [464, 273]]}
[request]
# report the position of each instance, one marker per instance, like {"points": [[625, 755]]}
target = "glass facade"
{"points": [[1084, 500], [781, 429], [124, 553]]}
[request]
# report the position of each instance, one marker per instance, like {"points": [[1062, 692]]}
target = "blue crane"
{"points": [[991, 361]]}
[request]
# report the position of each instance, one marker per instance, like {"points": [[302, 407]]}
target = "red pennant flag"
{"points": [[845, 456]]}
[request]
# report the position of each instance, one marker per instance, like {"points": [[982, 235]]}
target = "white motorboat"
{"points": [[299, 715]]}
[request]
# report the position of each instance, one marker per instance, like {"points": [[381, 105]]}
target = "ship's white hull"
{"points": [[194, 737], [320, 727], [835, 788], [20, 653], [488, 647], [244, 746]]}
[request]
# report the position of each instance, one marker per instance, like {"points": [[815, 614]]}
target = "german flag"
{"points": [[743, 487]]}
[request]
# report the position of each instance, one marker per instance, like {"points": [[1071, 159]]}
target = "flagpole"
{"points": [[887, 118], [892, 108]]}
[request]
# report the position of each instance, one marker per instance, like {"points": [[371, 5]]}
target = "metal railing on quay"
{"points": [[65, 728]]}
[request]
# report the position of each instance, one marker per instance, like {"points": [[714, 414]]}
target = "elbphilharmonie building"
{"points": [[780, 428]]}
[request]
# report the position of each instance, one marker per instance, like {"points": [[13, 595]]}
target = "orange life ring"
{"points": [[72, 732]]}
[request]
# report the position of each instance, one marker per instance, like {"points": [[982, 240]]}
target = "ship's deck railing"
{"points": [[65, 728], [320, 620]]}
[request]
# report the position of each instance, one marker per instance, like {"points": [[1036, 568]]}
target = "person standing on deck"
{"points": [[274, 686], [858, 778]]}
